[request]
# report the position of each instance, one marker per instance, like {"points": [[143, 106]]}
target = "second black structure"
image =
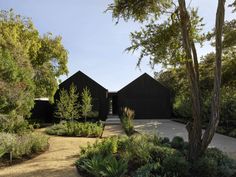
{"points": [[147, 97]]}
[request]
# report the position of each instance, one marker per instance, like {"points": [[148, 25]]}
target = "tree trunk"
{"points": [[194, 128], [215, 106]]}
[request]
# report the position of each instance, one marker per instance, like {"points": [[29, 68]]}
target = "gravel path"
{"points": [[56, 162], [168, 128]]}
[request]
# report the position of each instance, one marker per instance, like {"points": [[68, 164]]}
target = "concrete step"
{"points": [[112, 120], [112, 116]]}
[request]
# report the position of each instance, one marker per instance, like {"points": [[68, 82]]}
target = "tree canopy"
{"points": [[29, 63]]}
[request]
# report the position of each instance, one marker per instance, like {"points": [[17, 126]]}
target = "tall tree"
{"points": [[172, 42], [29, 63], [67, 105], [86, 106]]}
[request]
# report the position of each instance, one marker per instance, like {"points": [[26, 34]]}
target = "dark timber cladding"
{"points": [[147, 97], [98, 92]]}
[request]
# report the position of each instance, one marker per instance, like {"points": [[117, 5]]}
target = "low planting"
{"points": [[149, 156], [127, 121], [17, 139], [15, 146], [77, 129]]}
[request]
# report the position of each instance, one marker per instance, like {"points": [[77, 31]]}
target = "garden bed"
{"points": [[149, 156], [76, 129], [15, 148]]}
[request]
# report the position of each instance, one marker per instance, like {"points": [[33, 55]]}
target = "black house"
{"points": [[147, 97], [98, 92]]}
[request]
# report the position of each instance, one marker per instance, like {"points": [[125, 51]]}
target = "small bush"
{"points": [[159, 153], [225, 166], [165, 140], [148, 170], [205, 167], [14, 124], [214, 163], [178, 143], [100, 166], [76, 129], [127, 121], [21, 145], [232, 133], [137, 150], [175, 165]]}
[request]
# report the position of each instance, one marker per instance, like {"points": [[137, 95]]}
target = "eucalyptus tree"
{"points": [[171, 41]]}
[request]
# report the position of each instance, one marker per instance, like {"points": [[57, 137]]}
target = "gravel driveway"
{"points": [[56, 162], [169, 128]]}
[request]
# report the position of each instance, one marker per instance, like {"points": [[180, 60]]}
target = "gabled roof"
{"points": [[146, 77], [79, 74]]}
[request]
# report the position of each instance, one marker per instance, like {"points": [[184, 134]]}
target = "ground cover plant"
{"points": [[14, 146], [18, 141], [77, 129], [149, 156]]}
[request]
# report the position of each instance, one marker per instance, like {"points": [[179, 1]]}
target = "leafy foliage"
{"points": [[176, 80], [86, 106], [67, 105], [108, 166], [139, 10], [76, 129], [171, 42], [21, 145], [127, 121], [150, 156], [14, 124], [29, 64]]}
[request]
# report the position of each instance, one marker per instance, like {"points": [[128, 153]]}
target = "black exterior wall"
{"points": [[42, 111], [147, 97], [98, 92]]}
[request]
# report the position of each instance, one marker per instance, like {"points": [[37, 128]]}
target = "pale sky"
{"points": [[95, 44]]}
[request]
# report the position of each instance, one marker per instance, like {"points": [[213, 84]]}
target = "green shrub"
{"points": [[178, 143], [214, 163], [127, 121], [100, 166], [14, 124], [165, 140], [76, 129], [175, 165], [25, 144], [148, 170], [148, 156], [221, 130], [205, 167], [137, 150], [159, 153], [225, 166]]}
